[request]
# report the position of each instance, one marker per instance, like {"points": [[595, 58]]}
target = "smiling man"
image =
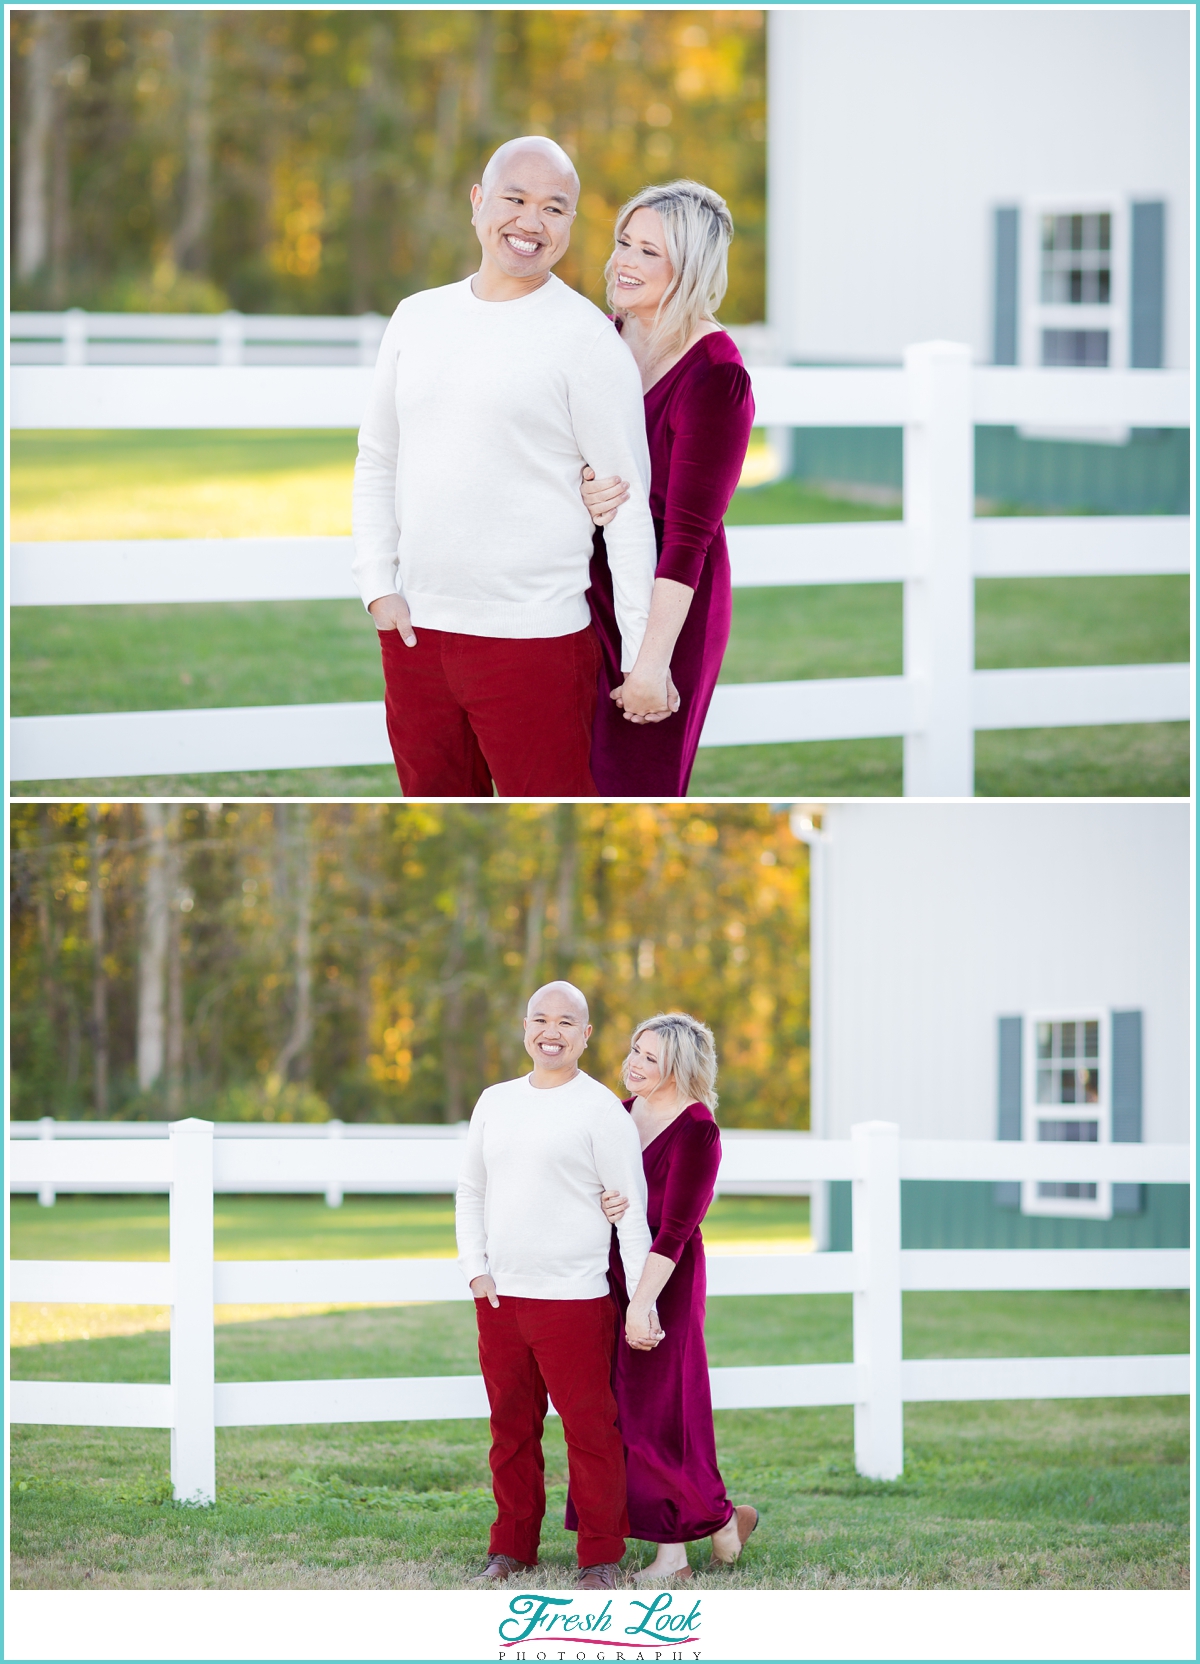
{"points": [[533, 1244], [471, 539]]}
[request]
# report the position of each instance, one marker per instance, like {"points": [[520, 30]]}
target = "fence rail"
{"points": [[77, 337], [936, 553], [875, 1273], [431, 1171]]}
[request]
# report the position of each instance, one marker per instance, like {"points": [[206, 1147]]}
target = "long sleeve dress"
{"points": [[664, 1406], [698, 421]]}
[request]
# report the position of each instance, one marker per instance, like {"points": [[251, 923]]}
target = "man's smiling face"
{"points": [[522, 216], [556, 1030]]}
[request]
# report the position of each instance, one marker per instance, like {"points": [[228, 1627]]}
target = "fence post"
{"points": [[230, 335], [46, 1192], [370, 333], [879, 1415], [193, 1438], [75, 336], [333, 1190], [939, 596]]}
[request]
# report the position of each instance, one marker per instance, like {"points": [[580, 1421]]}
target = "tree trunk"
{"points": [[190, 250], [33, 209], [567, 860], [296, 1047], [60, 193], [377, 93], [174, 1046], [535, 925], [47, 935], [99, 974], [152, 961]]}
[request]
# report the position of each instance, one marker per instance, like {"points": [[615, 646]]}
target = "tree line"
{"points": [[319, 161], [295, 961]]}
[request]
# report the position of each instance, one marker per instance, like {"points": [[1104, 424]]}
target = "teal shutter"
{"points": [[1146, 285], [1008, 1119], [1004, 293], [1127, 1099]]}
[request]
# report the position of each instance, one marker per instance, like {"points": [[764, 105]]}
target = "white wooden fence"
{"points": [[877, 1383], [78, 337], [409, 1177], [936, 552]]}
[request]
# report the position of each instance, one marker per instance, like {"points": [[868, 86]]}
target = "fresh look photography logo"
{"points": [[560, 1627]]}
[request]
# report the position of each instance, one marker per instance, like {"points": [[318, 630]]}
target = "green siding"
{"points": [[934, 1214], [1149, 475]]}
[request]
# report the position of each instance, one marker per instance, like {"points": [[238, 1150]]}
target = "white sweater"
{"points": [[466, 489], [528, 1206]]}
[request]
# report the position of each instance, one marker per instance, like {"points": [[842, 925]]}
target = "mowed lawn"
{"points": [[176, 484], [1053, 1494]]}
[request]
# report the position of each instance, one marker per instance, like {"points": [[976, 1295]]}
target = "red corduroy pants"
{"points": [[528, 1348], [466, 711]]}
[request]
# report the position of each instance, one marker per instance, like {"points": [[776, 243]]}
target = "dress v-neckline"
{"points": [[662, 1130], [682, 359], [678, 364]]}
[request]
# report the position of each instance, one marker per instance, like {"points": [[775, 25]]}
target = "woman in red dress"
{"points": [[666, 277], [675, 1491]]}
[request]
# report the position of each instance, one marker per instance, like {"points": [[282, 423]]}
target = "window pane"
{"points": [[1095, 353], [1090, 1080], [1106, 231], [1076, 231], [1068, 1132], [1104, 285], [1067, 1087], [1068, 1040], [1047, 231], [1091, 1039], [1043, 1039], [1045, 1087]]}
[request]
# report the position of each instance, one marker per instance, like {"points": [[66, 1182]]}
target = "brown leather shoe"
{"points": [[500, 1568], [747, 1521], [597, 1577]]}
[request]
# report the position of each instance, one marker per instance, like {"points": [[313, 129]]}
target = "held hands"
{"points": [[483, 1288], [615, 1206], [642, 1331], [390, 612], [602, 498], [646, 696]]}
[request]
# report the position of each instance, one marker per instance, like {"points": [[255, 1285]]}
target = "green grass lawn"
{"points": [[1063, 1494], [76, 659]]}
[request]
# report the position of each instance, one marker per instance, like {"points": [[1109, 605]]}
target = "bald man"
{"points": [[471, 539], [534, 1245]]}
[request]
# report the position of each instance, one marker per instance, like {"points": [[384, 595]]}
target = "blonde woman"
{"points": [[666, 278], [664, 1409]]}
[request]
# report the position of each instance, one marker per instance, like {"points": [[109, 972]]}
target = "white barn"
{"points": [[1006, 970], [1017, 179]]}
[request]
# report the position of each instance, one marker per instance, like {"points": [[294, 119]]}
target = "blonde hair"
{"points": [[687, 1052], [698, 229]]}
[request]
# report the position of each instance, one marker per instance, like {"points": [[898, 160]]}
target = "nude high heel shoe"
{"points": [[746, 1520]]}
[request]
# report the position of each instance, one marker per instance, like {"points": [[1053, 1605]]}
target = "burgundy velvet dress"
{"points": [[698, 421], [664, 1407]]}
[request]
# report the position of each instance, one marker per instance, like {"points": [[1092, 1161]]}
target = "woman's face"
{"points": [[641, 269], [643, 1076]]}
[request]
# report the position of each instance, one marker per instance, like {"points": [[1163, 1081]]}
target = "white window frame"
{"points": [[1035, 315], [1064, 1207]]}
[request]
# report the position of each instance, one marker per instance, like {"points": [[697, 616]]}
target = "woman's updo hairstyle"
{"points": [[698, 228], [686, 1051]]}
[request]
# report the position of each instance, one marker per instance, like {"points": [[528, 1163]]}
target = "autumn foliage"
{"points": [[373, 961], [278, 160]]}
